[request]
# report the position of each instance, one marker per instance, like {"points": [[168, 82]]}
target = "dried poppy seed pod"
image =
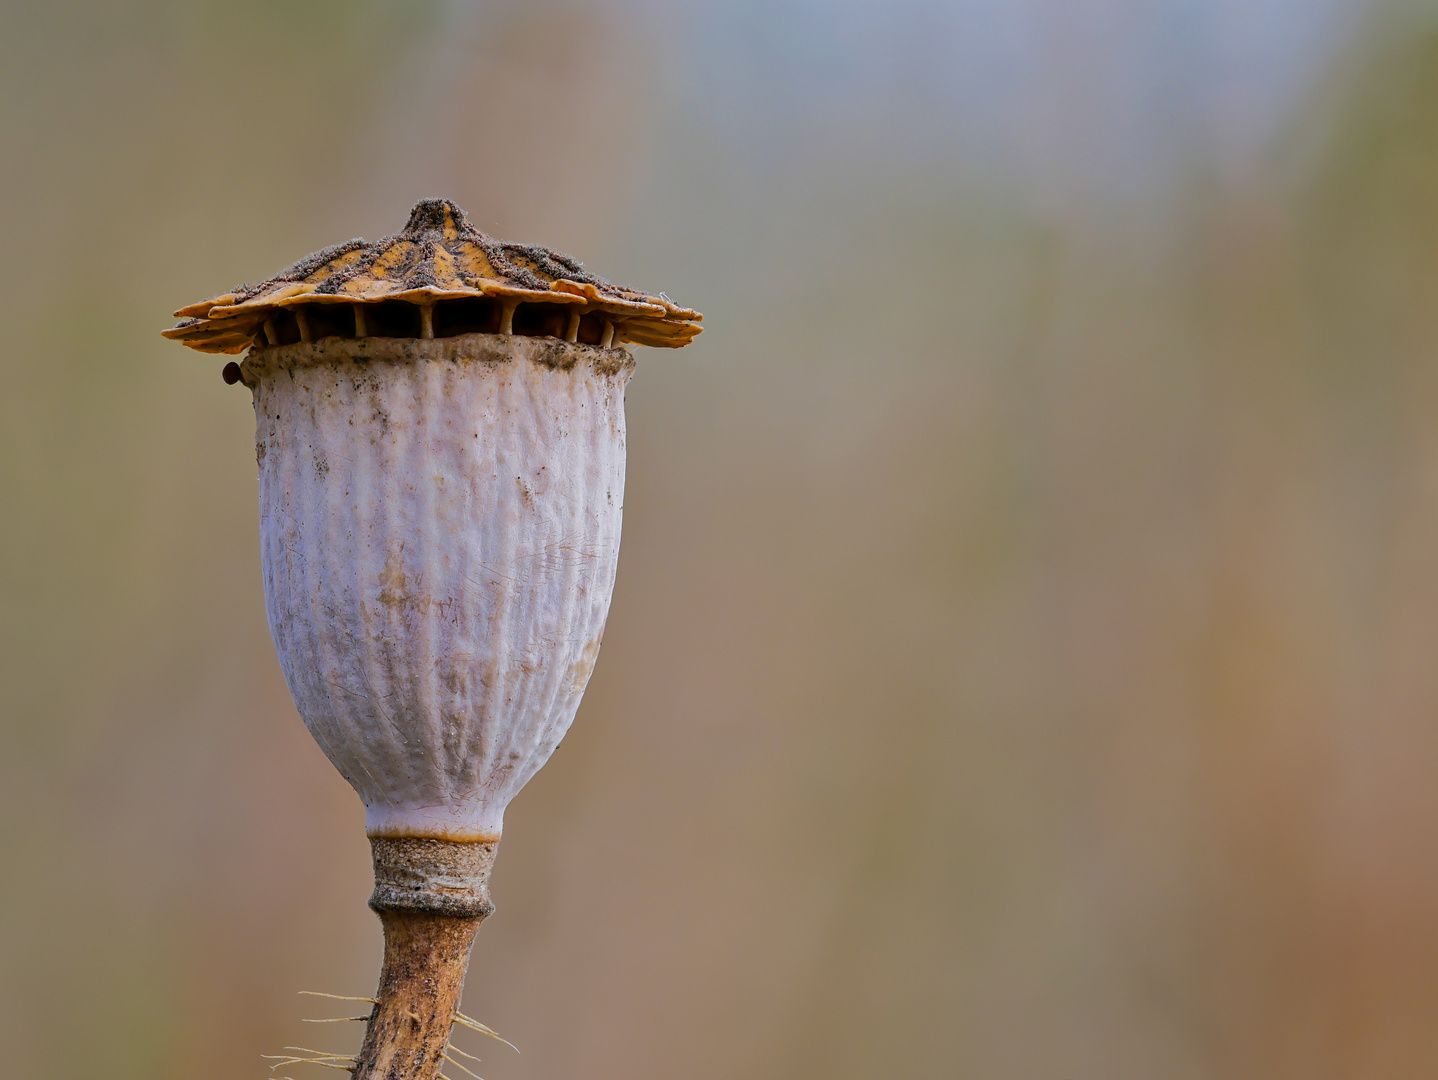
{"points": [[440, 437], [439, 533]]}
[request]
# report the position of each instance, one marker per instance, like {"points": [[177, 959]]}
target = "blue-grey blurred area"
{"points": [[1024, 661]]}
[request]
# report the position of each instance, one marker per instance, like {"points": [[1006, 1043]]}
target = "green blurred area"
{"points": [[1022, 658]]}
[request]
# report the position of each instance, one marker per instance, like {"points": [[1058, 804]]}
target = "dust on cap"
{"points": [[440, 276]]}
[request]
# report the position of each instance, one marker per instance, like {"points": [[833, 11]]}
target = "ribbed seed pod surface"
{"points": [[440, 527]]}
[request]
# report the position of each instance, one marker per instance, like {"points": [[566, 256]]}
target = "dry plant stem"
{"points": [[425, 957], [431, 896]]}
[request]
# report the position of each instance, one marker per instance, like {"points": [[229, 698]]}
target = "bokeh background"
{"points": [[1024, 661]]}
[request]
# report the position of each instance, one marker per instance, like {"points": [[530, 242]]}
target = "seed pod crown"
{"points": [[440, 262]]}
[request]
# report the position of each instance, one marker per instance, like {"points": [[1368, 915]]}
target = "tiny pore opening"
{"points": [[448, 318]]}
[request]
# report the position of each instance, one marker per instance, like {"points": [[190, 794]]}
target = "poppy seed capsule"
{"points": [[440, 440], [439, 532]]}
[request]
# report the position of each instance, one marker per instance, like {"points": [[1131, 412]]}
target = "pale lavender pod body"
{"points": [[439, 527]]}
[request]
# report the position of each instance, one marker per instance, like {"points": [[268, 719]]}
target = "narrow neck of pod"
{"points": [[436, 877]]}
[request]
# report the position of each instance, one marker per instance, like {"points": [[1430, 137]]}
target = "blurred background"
{"points": [[1023, 658]]}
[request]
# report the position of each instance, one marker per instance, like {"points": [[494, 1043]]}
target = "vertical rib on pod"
{"points": [[428, 477]]}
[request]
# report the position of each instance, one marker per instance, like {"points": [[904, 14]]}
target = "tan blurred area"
{"points": [[1024, 661]]}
